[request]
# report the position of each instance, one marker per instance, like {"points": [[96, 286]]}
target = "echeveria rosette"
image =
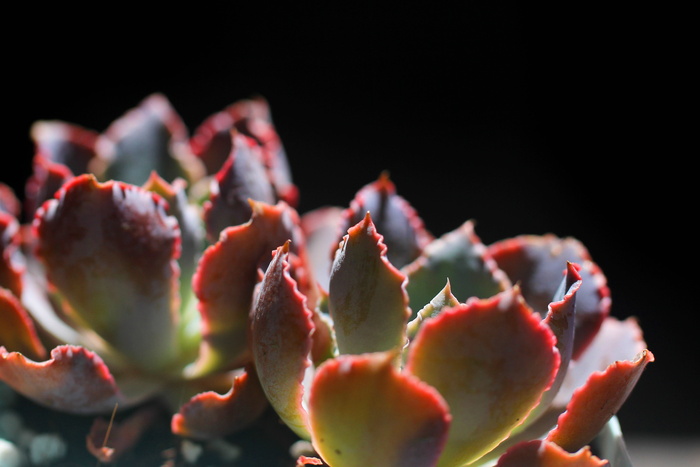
{"points": [[475, 370]]}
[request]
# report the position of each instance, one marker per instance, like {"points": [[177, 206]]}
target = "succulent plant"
{"points": [[160, 266]]}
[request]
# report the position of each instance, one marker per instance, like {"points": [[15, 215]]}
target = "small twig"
{"points": [[109, 429]]}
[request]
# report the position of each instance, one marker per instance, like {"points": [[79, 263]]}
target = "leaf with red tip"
{"points": [[367, 296], [616, 341], [226, 278], [11, 269], [74, 380], [242, 177], [17, 332], [109, 440], [560, 319], [150, 137], [537, 264], [281, 341], [404, 232], [211, 415], [539, 453], [597, 401], [365, 412], [491, 360], [111, 251], [460, 257], [47, 178]]}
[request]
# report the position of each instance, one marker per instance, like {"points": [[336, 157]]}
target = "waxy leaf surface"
{"points": [[10, 269], [537, 263], [367, 296], [491, 360], [226, 278], [460, 257], [363, 411], [111, 251], [74, 380], [242, 177], [397, 221], [281, 341]]}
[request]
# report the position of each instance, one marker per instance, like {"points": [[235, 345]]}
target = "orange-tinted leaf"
{"points": [[281, 341], [367, 296], [365, 412], [211, 415], [597, 401], [540, 453], [491, 359]]}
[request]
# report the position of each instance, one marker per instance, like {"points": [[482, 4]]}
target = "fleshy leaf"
{"points": [[537, 263], [597, 401], [11, 269], [616, 341], [365, 412], [74, 380], [491, 359], [540, 453], [460, 257], [242, 177], [211, 142], [281, 342], [17, 332], [442, 301], [46, 179], [150, 137], [321, 228], [560, 319], [404, 232], [210, 415], [110, 250], [64, 143], [367, 296], [226, 278]]}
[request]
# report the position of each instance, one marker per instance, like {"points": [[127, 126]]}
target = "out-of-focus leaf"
{"points": [[540, 453], [74, 380], [211, 415], [17, 331], [110, 250]]}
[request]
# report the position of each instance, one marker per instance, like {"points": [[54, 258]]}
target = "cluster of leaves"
{"points": [[159, 265]]}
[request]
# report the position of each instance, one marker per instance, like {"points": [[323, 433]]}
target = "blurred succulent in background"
{"points": [[159, 266], [130, 274]]}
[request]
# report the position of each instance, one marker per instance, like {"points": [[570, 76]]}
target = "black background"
{"points": [[553, 119]]}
